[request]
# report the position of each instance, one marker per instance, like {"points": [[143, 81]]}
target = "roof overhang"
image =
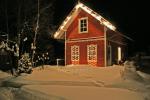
{"points": [[59, 34]]}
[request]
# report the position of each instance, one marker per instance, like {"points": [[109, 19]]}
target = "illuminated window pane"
{"points": [[75, 53], [92, 52]]}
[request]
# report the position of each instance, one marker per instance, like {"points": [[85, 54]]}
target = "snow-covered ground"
{"points": [[4, 75], [80, 83]]}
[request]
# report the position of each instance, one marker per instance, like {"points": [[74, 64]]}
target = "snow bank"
{"points": [[98, 74], [31, 94], [84, 83], [144, 75], [10, 93], [51, 74], [80, 76], [86, 93], [130, 72], [6, 93], [4, 74]]}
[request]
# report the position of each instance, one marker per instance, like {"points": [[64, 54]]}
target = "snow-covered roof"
{"points": [[60, 32]]}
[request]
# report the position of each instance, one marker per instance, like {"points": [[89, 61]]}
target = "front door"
{"points": [[92, 54]]}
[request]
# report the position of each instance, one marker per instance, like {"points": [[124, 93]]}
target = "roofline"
{"points": [[102, 20], [127, 37]]}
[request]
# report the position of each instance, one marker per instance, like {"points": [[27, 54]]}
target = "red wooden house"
{"points": [[90, 39]]}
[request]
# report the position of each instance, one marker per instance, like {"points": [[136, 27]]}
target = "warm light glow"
{"points": [[91, 12], [109, 25], [68, 18], [86, 9], [65, 22], [119, 53], [78, 5], [56, 34], [98, 17], [61, 27]]}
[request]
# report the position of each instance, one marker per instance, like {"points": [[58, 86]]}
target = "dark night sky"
{"points": [[130, 17]]}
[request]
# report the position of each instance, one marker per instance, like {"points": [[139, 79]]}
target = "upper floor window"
{"points": [[83, 25]]}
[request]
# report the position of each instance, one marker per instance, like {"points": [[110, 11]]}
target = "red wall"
{"points": [[83, 52], [95, 29]]}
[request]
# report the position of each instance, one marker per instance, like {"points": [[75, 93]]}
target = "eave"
{"points": [[59, 34]]}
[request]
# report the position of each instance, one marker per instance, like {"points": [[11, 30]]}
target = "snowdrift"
{"points": [[83, 83]]}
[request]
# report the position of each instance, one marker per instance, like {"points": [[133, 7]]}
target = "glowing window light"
{"points": [[119, 54]]}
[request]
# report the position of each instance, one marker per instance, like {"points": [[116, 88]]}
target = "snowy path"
{"points": [[86, 92], [76, 83]]}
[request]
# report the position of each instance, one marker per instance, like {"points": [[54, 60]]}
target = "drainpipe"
{"points": [[65, 48], [105, 46]]}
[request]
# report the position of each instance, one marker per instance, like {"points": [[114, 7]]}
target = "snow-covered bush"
{"points": [[24, 65]]}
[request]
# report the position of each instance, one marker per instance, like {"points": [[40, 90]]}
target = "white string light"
{"points": [[88, 10]]}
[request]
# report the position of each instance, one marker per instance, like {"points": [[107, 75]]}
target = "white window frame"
{"points": [[90, 50], [75, 54], [79, 25]]}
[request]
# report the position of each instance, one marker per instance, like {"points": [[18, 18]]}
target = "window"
{"points": [[92, 52], [119, 54], [75, 53], [83, 25]]}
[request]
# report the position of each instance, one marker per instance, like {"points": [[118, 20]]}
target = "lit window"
{"points": [[75, 53], [119, 53], [92, 52], [83, 25]]}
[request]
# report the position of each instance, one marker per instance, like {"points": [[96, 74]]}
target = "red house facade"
{"points": [[90, 39]]}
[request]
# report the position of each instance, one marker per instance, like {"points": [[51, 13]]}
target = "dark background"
{"points": [[130, 17]]}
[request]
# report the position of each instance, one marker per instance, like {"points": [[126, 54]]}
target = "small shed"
{"points": [[90, 39]]}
